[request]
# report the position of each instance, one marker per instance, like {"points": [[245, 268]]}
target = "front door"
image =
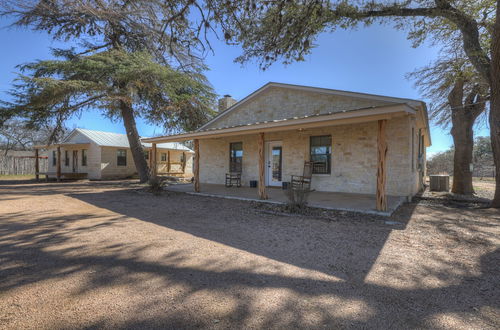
{"points": [[274, 163], [75, 161]]}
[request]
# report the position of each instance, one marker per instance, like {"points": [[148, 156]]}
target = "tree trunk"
{"points": [[463, 139], [134, 141], [463, 115], [494, 118]]}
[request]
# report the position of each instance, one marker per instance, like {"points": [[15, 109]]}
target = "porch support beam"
{"points": [[58, 168], [168, 161], [382, 166], [196, 165], [150, 161], [37, 165], [183, 162], [152, 158], [262, 183]]}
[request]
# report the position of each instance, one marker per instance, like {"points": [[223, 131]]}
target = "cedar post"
{"points": [[37, 165], [58, 169], [196, 165], [382, 166], [168, 161], [152, 159], [184, 160], [262, 183]]}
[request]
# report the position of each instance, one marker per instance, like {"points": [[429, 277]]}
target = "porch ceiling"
{"points": [[321, 120]]}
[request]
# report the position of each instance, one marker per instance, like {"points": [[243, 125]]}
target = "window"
{"points": [[163, 157], [321, 151], [235, 156], [66, 158], [121, 157], [84, 157], [54, 158], [146, 154]]}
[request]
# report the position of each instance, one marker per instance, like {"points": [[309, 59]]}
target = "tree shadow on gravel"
{"points": [[345, 247], [35, 247]]}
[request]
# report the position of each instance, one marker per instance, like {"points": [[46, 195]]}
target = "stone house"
{"points": [[100, 155], [362, 143]]}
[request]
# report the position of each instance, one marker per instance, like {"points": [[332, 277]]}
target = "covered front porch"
{"points": [[357, 141], [75, 161], [363, 203]]}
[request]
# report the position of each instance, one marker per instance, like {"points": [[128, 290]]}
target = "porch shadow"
{"points": [[363, 203]]}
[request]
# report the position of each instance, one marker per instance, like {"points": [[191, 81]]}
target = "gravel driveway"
{"points": [[108, 255]]}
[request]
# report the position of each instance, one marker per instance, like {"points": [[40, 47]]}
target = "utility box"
{"points": [[439, 182]]}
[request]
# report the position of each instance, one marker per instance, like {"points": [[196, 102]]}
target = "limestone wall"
{"points": [[282, 103]]}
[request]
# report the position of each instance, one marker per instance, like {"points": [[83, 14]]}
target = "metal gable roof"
{"points": [[108, 139]]}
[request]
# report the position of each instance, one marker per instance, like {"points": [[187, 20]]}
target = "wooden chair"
{"points": [[234, 175], [233, 178], [303, 181]]}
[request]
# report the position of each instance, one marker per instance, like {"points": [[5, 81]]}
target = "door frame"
{"points": [[268, 170]]}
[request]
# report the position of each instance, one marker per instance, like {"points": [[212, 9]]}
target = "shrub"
{"points": [[156, 184], [297, 198]]}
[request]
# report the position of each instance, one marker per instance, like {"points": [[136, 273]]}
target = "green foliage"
{"points": [[54, 90]]}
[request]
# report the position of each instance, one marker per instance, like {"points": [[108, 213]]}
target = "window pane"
{"points": [[321, 149], [121, 158], [84, 157], [235, 156]]}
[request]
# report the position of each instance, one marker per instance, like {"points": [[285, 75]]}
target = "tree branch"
{"points": [[467, 25]]}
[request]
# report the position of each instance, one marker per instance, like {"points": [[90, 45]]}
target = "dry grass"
{"points": [[110, 255], [4, 177]]}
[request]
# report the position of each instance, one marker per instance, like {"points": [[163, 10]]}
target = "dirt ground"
{"points": [[108, 255]]}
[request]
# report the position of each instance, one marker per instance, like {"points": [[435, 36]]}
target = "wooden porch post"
{"points": [[262, 183], [196, 165], [168, 161], [382, 166], [58, 169], [152, 159], [37, 165], [184, 160]]}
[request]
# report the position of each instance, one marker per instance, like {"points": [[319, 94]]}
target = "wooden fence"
{"points": [[21, 165]]}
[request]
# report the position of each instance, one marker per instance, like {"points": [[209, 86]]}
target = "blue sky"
{"points": [[372, 60]]}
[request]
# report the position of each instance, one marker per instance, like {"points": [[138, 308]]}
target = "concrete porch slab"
{"points": [[363, 203]]}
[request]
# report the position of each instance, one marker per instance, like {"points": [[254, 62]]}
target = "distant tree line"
{"points": [[15, 134], [482, 161]]}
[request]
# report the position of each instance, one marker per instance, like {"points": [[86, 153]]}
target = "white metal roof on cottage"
{"points": [[109, 139]]}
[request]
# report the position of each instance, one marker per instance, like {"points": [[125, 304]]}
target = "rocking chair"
{"points": [[234, 176], [303, 181]]}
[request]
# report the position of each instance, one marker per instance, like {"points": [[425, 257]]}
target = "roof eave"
{"points": [[339, 118]]}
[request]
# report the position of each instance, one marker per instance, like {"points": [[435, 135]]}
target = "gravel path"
{"points": [[107, 255]]}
